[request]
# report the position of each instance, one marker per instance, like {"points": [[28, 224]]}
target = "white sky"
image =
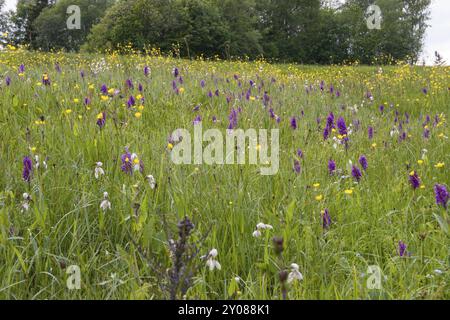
{"points": [[436, 39]]}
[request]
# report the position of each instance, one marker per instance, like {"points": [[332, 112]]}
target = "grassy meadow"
{"points": [[130, 244]]}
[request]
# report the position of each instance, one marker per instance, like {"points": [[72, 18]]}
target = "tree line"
{"points": [[305, 31]]}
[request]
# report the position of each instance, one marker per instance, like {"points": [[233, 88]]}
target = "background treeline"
{"points": [[306, 31]]}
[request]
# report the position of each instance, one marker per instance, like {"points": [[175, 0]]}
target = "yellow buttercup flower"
{"points": [[319, 197], [68, 111], [104, 98], [316, 185], [138, 115], [348, 191], [169, 146], [181, 90], [439, 165], [420, 162]]}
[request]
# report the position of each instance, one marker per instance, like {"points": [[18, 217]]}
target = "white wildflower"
{"points": [[256, 234], [152, 182], [98, 170], [36, 158], [261, 226], [212, 263], [26, 202], [105, 204], [295, 273]]}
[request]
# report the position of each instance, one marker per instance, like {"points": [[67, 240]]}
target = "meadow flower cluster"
{"points": [[87, 179]]}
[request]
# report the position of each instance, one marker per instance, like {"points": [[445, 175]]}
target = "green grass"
{"points": [[126, 258]]}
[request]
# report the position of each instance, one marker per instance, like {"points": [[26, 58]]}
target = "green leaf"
{"points": [[442, 222], [15, 101]]}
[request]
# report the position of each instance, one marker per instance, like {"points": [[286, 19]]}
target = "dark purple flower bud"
{"points": [[82, 74], [326, 219], [214, 119], [426, 133], [146, 71], [271, 113], [414, 180], [370, 132], [293, 123], [175, 72], [202, 83], [356, 173], [401, 248], [104, 89], [363, 162], [210, 94], [129, 84], [248, 94], [131, 102], [424, 90], [180, 80], [87, 101], [300, 153], [297, 166], [331, 166], [330, 121], [233, 119], [342, 126], [442, 195], [21, 68], [381, 108], [140, 87], [326, 133], [27, 168], [322, 85], [266, 99], [216, 92], [7, 80]]}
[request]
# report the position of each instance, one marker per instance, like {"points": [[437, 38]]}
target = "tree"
{"points": [[290, 28], [194, 26], [51, 27], [26, 12]]}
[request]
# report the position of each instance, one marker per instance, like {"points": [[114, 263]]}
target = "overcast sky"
{"points": [[437, 37]]}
